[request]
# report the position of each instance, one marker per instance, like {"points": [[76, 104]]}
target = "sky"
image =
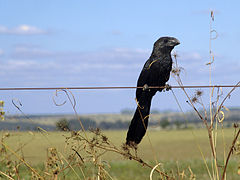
{"points": [[105, 43]]}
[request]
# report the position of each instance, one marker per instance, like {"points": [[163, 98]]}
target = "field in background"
{"points": [[158, 120], [169, 146]]}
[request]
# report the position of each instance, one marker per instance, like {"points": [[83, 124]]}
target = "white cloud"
{"points": [[131, 51], [117, 65], [111, 59], [20, 64], [103, 66], [22, 30], [107, 55], [31, 52], [189, 56]]}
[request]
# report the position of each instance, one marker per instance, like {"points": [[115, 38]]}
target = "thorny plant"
{"points": [[91, 147], [91, 151], [97, 145], [87, 150], [215, 115]]}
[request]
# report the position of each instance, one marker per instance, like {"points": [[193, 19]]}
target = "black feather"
{"points": [[155, 72]]}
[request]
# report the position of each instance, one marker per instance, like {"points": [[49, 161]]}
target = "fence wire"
{"points": [[113, 87]]}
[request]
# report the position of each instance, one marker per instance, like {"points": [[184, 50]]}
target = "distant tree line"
{"points": [[87, 123], [25, 126], [167, 121], [73, 124]]}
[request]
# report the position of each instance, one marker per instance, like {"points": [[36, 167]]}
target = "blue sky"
{"points": [[105, 43]]}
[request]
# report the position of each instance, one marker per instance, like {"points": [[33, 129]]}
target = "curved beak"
{"points": [[174, 42]]}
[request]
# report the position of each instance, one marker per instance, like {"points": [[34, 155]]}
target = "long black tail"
{"points": [[139, 123]]}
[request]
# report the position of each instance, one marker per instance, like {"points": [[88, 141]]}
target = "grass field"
{"points": [[175, 149]]}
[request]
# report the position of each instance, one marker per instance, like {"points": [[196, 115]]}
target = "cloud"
{"points": [[111, 66], [25, 67], [31, 52], [196, 70], [115, 54], [25, 56], [30, 64], [1, 52], [22, 30], [190, 56], [104, 66], [191, 61], [108, 59]]}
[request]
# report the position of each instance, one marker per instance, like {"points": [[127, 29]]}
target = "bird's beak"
{"points": [[174, 42]]}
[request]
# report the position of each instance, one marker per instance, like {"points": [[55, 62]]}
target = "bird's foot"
{"points": [[131, 144], [145, 87], [167, 87]]}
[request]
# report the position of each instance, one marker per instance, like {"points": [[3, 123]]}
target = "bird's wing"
{"points": [[143, 77], [154, 73]]}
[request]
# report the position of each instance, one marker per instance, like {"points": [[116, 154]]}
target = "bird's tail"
{"points": [[139, 123]]}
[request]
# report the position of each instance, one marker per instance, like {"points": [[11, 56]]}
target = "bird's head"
{"points": [[164, 45]]}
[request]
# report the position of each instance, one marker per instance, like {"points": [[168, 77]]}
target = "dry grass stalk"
{"points": [[214, 116]]}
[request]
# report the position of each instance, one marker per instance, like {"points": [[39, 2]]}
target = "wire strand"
{"points": [[110, 87]]}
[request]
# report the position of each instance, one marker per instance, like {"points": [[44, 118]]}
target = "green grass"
{"points": [[122, 170], [168, 147]]}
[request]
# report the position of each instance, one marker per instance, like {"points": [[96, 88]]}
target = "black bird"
{"points": [[156, 72]]}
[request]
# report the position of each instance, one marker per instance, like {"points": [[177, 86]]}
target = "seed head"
{"points": [[194, 99], [199, 93]]}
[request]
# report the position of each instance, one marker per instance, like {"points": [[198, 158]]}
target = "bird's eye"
{"points": [[165, 40]]}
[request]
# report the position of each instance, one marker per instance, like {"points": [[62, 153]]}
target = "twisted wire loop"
{"points": [[216, 34], [56, 95], [66, 91], [72, 100]]}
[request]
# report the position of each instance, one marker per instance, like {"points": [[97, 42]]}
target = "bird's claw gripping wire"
{"points": [[145, 87], [167, 87]]}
